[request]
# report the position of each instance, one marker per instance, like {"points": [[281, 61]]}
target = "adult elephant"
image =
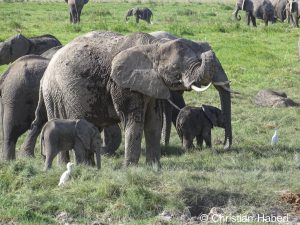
{"points": [[19, 94], [139, 13], [108, 78], [171, 111], [280, 9], [75, 8], [293, 12], [261, 9], [18, 45], [19, 91]]}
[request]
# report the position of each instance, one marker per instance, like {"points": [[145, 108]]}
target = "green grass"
{"points": [[246, 178]]}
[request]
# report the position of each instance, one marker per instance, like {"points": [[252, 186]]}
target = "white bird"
{"points": [[66, 175], [274, 140]]}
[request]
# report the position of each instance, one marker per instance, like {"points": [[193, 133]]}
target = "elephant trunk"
{"points": [[200, 72], [235, 13], [225, 98]]}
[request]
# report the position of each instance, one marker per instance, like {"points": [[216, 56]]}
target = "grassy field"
{"points": [[243, 180]]}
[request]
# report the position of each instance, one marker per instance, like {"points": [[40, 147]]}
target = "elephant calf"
{"points": [[197, 122], [140, 13], [62, 135]]}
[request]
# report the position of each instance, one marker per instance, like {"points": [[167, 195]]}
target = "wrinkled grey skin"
{"points": [[169, 112], [75, 8], [260, 9], [112, 139], [62, 135], [18, 46], [19, 87], [140, 13], [108, 78], [293, 12], [197, 122], [280, 9]]}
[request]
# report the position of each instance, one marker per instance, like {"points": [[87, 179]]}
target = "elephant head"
{"points": [[156, 69], [214, 115], [129, 13], [13, 48], [90, 137]]}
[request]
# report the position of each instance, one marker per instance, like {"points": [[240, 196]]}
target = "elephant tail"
{"points": [[42, 143]]}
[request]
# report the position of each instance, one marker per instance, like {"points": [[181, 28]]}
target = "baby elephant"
{"points": [[197, 122], [139, 13], [62, 135]]}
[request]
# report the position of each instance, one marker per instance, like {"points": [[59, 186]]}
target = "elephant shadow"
{"points": [[263, 151], [200, 201], [170, 150]]}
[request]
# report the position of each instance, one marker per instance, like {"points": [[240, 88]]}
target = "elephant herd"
{"points": [[101, 80], [269, 11]]}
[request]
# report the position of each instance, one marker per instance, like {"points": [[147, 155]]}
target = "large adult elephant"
{"points": [[18, 45], [280, 9], [108, 78], [261, 9], [170, 110], [19, 91], [19, 95], [293, 12]]}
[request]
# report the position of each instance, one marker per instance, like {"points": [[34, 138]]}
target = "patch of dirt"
{"points": [[292, 199]]}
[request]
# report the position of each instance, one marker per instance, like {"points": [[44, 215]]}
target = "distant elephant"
{"points": [[62, 135], [19, 92], [280, 9], [18, 46], [261, 9], [136, 72], [140, 13], [197, 122], [293, 12], [75, 8]]}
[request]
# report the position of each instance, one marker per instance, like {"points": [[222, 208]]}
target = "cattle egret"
{"points": [[274, 140], [66, 175]]}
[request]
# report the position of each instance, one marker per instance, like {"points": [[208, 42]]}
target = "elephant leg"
{"points": [[10, 135], [27, 147], [167, 119], [248, 18], [253, 19], [50, 155], [152, 129], [207, 139], [112, 139], [187, 143], [199, 139], [137, 19]]}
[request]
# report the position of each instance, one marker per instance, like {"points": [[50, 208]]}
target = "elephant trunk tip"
{"points": [[227, 144]]}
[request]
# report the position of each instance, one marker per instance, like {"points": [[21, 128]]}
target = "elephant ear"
{"points": [[210, 114], [84, 132], [19, 46], [133, 69]]}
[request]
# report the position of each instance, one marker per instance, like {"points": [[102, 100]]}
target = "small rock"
{"points": [[270, 98]]}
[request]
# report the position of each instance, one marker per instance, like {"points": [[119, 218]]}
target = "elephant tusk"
{"points": [[229, 90], [174, 105], [195, 88], [221, 83]]}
